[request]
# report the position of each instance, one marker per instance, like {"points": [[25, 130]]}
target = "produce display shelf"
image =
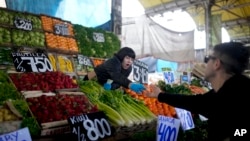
{"points": [[121, 133]]}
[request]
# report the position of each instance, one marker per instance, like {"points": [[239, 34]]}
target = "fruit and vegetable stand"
{"points": [[41, 84]]}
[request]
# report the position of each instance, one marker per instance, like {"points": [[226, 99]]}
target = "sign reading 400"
{"points": [[140, 72], [167, 128], [31, 62]]}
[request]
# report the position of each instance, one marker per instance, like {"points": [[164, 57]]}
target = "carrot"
{"points": [[196, 90]]}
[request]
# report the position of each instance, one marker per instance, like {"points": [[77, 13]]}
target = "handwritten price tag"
{"points": [[90, 127], [24, 24], [19, 135], [84, 60], [61, 29], [98, 37], [140, 72], [186, 119], [31, 62], [167, 128]]}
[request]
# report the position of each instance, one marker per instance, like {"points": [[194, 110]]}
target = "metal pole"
{"points": [[207, 26], [208, 6]]}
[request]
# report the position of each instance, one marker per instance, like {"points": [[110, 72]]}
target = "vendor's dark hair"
{"points": [[233, 55], [125, 51]]}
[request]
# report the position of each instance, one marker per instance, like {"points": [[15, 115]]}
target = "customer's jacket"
{"points": [[227, 110]]}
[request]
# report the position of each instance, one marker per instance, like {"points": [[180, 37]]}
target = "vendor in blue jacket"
{"points": [[117, 69]]}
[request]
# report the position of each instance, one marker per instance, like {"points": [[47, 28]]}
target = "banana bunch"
{"points": [[65, 65], [69, 65], [53, 61]]}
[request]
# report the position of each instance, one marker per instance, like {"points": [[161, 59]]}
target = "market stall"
{"points": [[43, 62]]}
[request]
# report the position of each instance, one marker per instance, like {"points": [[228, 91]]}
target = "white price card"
{"points": [[186, 119], [98, 37], [167, 128], [19, 135], [84, 60], [61, 29]]}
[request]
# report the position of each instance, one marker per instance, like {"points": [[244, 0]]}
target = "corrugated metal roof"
{"points": [[235, 14]]}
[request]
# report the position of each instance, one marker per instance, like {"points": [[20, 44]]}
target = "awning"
{"points": [[234, 13]]}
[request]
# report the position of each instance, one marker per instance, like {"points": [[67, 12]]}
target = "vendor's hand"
{"points": [[154, 91], [107, 86], [136, 87]]}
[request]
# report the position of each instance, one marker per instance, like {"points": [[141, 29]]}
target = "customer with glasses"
{"points": [[227, 105]]}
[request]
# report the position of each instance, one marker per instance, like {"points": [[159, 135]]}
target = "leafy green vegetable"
{"points": [[3, 77], [175, 89], [32, 124], [196, 82], [89, 47], [8, 91], [22, 107]]}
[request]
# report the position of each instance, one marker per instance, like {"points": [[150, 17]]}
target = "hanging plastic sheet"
{"points": [[148, 38]]}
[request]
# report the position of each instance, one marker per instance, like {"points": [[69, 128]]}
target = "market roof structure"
{"points": [[235, 14]]}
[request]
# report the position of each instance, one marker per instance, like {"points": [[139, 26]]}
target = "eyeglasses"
{"points": [[208, 57]]}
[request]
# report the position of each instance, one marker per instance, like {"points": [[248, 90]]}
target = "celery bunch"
{"points": [[93, 91], [121, 109]]}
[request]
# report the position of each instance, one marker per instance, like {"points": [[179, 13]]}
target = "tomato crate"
{"points": [[52, 110], [45, 81]]}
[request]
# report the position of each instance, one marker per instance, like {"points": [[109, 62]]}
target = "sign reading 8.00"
{"points": [[140, 72]]}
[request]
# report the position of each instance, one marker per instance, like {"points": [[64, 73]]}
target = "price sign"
{"points": [[84, 60], [19, 135], [31, 62], [90, 127], [186, 119], [98, 37], [140, 72], [24, 24], [61, 29], [167, 128]]}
